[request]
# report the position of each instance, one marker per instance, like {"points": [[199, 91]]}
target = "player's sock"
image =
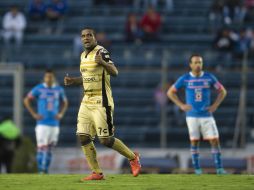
{"points": [[44, 159], [91, 157], [120, 147], [48, 160], [216, 152], [39, 159], [195, 157]]}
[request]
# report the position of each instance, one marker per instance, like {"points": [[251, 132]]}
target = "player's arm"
{"points": [[104, 60], [222, 92], [72, 81], [172, 95], [63, 109], [28, 105], [110, 68]]}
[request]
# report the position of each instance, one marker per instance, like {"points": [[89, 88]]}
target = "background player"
{"points": [[51, 106], [197, 85], [95, 115]]}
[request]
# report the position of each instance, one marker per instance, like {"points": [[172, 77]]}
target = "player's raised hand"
{"points": [[98, 58], [68, 80], [185, 107]]}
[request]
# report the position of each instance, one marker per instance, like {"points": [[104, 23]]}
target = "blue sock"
{"points": [[217, 157], [44, 159], [39, 158], [49, 158], [195, 156]]}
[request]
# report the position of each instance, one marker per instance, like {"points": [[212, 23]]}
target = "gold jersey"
{"points": [[96, 80]]}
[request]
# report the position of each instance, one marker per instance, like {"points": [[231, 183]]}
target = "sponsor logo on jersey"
{"points": [[90, 79]]}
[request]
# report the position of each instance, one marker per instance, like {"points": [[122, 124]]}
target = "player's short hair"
{"points": [[49, 71], [194, 55], [93, 30]]}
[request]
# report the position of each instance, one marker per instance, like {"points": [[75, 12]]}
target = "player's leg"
{"points": [[216, 152], [103, 118], [118, 145], [194, 135], [90, 152], [52, 142], [210, 133], [42, 134], [86, 133], [194, 149]]}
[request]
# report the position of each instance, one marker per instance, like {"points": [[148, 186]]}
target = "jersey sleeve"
{"points": [[179, 83], [63, 96], [215, 83], [105, 55], [34, 93]]}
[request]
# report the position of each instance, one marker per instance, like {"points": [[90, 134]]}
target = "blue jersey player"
{"points": [[199, 110], [51, 106]]}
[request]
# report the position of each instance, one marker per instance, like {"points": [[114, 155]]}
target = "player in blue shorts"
{"points": [[51, 106], [199, 110]]}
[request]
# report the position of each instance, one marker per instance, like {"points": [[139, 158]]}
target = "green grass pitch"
{"points": [[127, 182]]}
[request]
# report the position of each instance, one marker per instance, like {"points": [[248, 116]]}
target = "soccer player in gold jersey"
{"points": [[95, 115]]}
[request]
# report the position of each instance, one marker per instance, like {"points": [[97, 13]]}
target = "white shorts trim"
{"points": [[202, 125], [46, 135]]}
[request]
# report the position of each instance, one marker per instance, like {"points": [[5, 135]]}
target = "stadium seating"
{"points": [[138, 123]]}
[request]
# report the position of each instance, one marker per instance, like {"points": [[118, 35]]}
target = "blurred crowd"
{"points": [[229, 21], [138, 5], [145, 29], [49, 16], [14, 24], [137, 30], [231, 11], [143, 24], [234, 43]]}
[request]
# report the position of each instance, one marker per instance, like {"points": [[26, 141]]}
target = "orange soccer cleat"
{"points": [[135, 165], [94, 176]]}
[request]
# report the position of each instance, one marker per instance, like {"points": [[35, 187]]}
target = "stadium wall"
{"points": [[72, 160]]}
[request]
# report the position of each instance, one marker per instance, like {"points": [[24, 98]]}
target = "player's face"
{"points": [[49, 79], [14, 11], [88, 39], [196, 64]]}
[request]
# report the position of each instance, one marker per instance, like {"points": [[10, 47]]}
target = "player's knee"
{"points": [[195, 142], [108, 142], [84, 139], [214, 142]]}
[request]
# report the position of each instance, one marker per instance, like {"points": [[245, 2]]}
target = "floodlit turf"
{"points": [[122, 182]]}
